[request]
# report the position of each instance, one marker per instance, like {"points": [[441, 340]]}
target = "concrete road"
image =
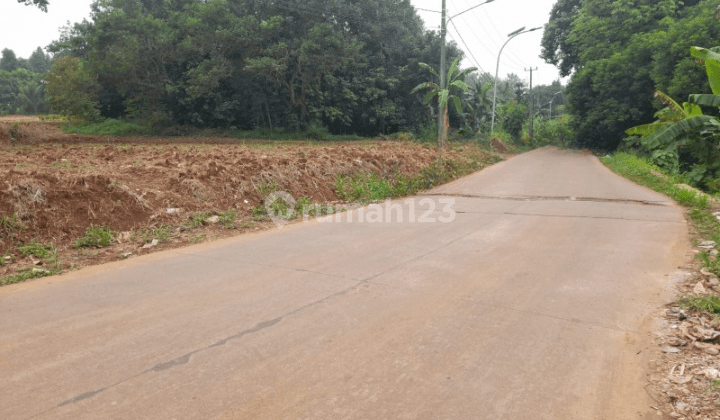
{"points": [[532, 303]]}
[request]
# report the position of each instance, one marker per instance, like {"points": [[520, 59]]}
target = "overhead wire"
{"points": [[511, 53], [492, 53], [477, 63]]}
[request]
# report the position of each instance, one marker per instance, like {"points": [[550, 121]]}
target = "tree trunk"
{"points": [[443, 140]]}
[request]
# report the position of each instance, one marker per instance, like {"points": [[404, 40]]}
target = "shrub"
{"points": [[95, 236]]}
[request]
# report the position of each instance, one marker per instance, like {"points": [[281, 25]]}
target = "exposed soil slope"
{"points": [[59, 184]]}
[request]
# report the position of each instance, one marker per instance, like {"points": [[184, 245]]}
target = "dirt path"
{"points": [[529, 304]]}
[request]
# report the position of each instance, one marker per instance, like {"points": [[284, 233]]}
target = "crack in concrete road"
{"points": [[549, 198], [561, 216]]}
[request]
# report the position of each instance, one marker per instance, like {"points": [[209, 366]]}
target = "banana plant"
{"points": [[479, 105], [677, 123], [445, 93]]}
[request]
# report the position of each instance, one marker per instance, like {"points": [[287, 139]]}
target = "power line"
{"points": [[501, 37], [467, 48]]}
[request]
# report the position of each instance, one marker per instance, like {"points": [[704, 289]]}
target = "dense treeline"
{"points": [[22, 90], [620, 52], [348, 64]]}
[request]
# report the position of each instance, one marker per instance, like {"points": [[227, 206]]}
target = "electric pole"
{"points": [[532, 111], [443, 32]]}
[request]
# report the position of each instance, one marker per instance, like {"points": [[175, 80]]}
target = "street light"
{"points": [[511, 35], [551, 102], [443, 33]]}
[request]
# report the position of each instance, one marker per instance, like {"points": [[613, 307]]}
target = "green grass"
{"points": [[45, 252], [8, 253], [162, 234], [95, 236], [706, 303], [370, 187], [644, 173], [11, 223], [28, 274], [196, 220], [53, 118], [227, 219], [267, 188], [109, 127], [311, 133], [282, 209]]}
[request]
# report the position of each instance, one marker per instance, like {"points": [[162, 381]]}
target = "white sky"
{"points": [[485, 29]]}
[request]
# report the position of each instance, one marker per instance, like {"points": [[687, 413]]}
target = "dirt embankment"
{"points": [[59, 184]]}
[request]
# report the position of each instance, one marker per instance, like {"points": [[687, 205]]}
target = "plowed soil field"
{"points": [[55, 185]]}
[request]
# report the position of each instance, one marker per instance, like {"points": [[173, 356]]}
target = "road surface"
{"points": [[532, 303]]}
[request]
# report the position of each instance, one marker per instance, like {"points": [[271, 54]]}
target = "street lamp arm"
{"points": [[511, 35], [465, 11]]}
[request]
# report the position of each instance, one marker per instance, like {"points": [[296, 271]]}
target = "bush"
{"points": [[514, 118], [95, 236], [557, 131], [109, 127]]}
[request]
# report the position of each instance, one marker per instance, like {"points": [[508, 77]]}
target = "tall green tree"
{"points": [[39, 62], [556, 47], [9, 61], [72, 90]]}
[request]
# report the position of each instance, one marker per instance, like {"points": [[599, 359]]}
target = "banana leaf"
{"points": [[712, 65], [672, 131], [705, 100], [647, 129]]}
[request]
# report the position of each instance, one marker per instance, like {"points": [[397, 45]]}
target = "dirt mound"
{"points": [[58, 190], [53, 185], [19, 132]]}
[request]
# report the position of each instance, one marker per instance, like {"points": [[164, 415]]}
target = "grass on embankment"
{"points": [[705, 224]]}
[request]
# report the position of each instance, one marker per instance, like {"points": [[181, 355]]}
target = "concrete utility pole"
{"points": [[443, 33], [532, 105]]}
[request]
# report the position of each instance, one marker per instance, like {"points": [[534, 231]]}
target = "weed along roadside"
{"points": [[684, 377], [72, 205]]}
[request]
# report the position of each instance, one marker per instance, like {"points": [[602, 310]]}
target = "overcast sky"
{"points": [[484, 30]]}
